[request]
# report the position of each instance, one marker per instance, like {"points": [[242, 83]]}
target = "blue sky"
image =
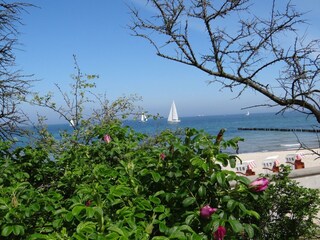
{"points": [[96, 32]]}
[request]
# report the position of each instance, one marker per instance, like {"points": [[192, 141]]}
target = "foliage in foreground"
{"points": [[289, 210], [124, 185]]}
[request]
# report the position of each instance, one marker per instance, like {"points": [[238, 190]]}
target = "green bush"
{"points": [[289, 211], [122, 184]]}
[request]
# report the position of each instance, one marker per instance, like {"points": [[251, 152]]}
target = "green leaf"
{"points": [[144, 172], [231, 204], [112, 236], [149, 228], [86, 227], [254, 196], [249, 230], [156, 176], [159, 193], [213, 177], [155, 200], [162, 227], [140, 215], [38, 236], [90, 212], [69, 216], [223, 158], [197, 161], [117, 230], [178, 235], [188, 201], [221, 178], [6, 231], [216, 223], [160, 208], [243, 207], [18, 230], [202, 191], [98, 212], [120, 191], [77, 209], [243, 180], [253, 213], [3, 204], [160, 238], [232, 162], [145, 204], [190, 218], [63, 210], [57, 223], [236, 225], [35, 207]]}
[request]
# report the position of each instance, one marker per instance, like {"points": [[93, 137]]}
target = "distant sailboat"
{"points": [[173, 115], [143, 118], [248, 113], [72, 123]]}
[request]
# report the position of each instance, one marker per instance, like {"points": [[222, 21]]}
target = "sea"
{"points": [[254, 140]]}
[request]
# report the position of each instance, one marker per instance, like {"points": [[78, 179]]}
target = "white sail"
{"points": [[173, 115], [72, 123], [143, 118]]}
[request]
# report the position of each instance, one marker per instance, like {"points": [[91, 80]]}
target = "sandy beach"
{"points": [[256, 159]]}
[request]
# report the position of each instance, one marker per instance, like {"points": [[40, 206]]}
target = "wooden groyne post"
{"points": [[281, 129]]}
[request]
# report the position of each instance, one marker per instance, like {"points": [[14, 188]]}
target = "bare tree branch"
{"points": [[240, 55]]}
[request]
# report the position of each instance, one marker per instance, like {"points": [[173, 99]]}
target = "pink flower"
{"points": [[162, 156], [220, 233], [207, 211], [259, 184], [107, 138]]}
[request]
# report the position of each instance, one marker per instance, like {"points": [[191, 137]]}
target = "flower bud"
{"points": [[162, 156], [220, 233], [107, 138], [207, 211], [88, 203]]}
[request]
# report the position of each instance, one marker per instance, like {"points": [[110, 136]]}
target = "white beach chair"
{"points": [[251, 164], [267, 165], [241, 168], [269, 162], [290, 159], [246, 167]]}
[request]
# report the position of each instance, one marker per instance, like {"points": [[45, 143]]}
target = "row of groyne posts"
{"points": [[281, 129]]}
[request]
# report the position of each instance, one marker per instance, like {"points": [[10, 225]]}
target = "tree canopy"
{"points": [[14, 86]]}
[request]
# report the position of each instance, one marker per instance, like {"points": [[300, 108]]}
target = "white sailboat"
{"points": [[143, 118], [248, 113], [72, 123], [173, 115]]}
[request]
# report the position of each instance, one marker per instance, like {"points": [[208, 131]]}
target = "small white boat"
{"points": [[72, 123], [248, 113], [173, 115], [143, 118]]}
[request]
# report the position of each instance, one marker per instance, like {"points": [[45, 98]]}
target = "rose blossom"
{"points": [[107, 138], [220, 233], [259, 185], [207, 211]]}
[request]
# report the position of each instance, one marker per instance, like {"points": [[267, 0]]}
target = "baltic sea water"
{"points": [[254, 141]]}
